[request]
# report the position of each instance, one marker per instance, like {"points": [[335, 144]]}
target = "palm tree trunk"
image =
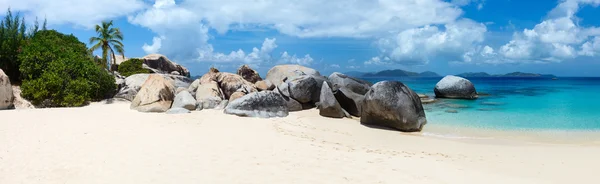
{"points": [[114, 62], [105, 56]]}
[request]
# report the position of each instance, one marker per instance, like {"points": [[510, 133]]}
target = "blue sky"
{"points": [[449, 37]]}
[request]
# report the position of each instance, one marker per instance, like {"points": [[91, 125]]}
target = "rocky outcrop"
{"points": [[349, 92], [455, 87], [249, 74], [208, 96], [6, 92], [264, 104], [391, 104], [162, 64], [230, 83], [328, 105], [184, 100], [155, 95], [133, 84], [279, 73], [264, 85]]}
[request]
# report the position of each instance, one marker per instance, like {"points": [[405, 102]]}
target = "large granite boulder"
{"points": [[292, 104], [163, 65], [349, 91], [279, 73], [156, 95], [304, 89], [208, 96], [210, 76], [230, 83], [328, 105], [455, 87], [264, 104], [249, 74], [6, 92], [339, 80], [184, 100], [134, 83], [391, 104]]}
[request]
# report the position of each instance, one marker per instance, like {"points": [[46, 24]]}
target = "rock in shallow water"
{"points": [[391, 104], [455, 87], [264, 104]]}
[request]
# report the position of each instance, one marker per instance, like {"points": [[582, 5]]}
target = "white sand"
{"points": [[112, 144]]}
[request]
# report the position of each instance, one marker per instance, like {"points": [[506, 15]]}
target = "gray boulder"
{"points": [[279, 73], [339, 80], [184, 100], [6, 92], [391, 104], [178, 110], [328, 105], [455, 87], [292, 104], [264, 104], [304, 89], [350, 101], [156, 95], [349, 91]]}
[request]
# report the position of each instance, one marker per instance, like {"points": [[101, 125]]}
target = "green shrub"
{"points": [[132, 67], [58, 71]]}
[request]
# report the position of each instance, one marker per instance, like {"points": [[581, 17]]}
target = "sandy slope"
{"points": [[112, 144]]}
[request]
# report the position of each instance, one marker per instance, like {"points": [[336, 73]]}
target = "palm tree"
{"points": [[107, 39]]}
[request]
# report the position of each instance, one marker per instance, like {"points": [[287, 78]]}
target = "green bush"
{"points": [[58, 71], [132, 67]]}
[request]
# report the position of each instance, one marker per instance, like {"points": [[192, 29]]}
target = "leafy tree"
{"points": [[59, 71], [131, 67], [107, 39], [12, 35]]}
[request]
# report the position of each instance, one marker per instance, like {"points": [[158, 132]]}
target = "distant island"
{"points": [[404, 73], [513, 74], [394, 73]]}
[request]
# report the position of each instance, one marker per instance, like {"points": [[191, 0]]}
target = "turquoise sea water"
{"points": [[516, 103]]}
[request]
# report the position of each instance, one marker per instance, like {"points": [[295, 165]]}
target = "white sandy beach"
{"points": [[113, 144]]}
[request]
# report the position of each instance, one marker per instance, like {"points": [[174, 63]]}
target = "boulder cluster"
{"points": [[285, 88]]}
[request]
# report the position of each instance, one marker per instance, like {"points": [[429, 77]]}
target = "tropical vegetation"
{"points": [[58, 71], [131, 67], [13, 33]]}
